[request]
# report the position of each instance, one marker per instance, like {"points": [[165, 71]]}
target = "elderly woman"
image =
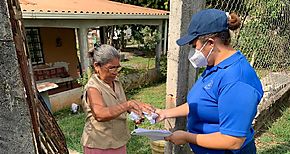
{"points": [[106, 107]]}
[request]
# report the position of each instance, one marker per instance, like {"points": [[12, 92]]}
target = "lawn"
{"points": [[277, 139], [139, 62], [72, 124]]}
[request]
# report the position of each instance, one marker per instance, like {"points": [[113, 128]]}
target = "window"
{"points": [[34, 45]]}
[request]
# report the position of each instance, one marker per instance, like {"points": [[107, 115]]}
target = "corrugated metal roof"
{"points": [[89, 7]]}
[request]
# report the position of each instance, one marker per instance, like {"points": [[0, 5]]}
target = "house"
{"points": [[57, 36]]}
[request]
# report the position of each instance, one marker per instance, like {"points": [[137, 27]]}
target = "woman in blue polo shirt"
{"points": [[223, 102]]}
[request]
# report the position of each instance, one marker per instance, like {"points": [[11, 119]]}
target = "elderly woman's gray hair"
{"points": [[103, 54]]}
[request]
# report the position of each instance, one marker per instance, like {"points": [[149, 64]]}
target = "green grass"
{"points": [[72, 124], [72, 127], [277, 139], [154, 95], [139, 63]]}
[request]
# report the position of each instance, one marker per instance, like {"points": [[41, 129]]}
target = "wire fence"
{"points": [[264, 35]]}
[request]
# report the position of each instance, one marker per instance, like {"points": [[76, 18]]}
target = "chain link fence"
{"points": [[263, 37], [265, 32]]}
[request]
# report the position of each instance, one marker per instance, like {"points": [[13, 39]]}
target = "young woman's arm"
{"points": [[211, 141], [180, 111]]}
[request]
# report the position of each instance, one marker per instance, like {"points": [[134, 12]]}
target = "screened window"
{"points": [[34, 45]]}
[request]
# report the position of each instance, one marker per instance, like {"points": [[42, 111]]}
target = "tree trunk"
{"points": [[122, 39], [103, 38], [16, 135], [112, 35]]}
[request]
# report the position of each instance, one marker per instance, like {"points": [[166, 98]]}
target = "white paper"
{"points": [[152, 134], [151, 117]]}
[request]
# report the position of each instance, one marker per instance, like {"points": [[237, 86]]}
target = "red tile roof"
{"points": [[100, 7]]}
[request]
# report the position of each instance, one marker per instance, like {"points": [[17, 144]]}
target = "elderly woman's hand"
{"points": [[146, 107], [135, 107], [140, 109]]}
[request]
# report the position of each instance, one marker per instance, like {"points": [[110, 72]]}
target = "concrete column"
{"points": [[165, 37], [16, 135], [179, 74], [83, 47], [159, 47]]}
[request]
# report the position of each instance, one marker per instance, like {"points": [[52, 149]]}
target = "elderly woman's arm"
{"points": [[101, 112]]}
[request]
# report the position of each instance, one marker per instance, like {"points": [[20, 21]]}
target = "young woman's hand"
{"points": [[178, 137], [161, 115]]}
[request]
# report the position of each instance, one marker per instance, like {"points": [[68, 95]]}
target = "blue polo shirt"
{"points": [[224, 99]]}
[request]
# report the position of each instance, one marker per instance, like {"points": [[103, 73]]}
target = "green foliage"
{"points": [[150, 38], [120, 43], [163, 67], [136, 33], [264, 36], [86, 76], [141, 34], [127, 70], [134, 65]]}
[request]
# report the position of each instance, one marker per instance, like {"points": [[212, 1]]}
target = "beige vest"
{"points": [[109, 134]]}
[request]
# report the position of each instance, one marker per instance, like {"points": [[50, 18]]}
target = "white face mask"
{"points": [[196, 57]]}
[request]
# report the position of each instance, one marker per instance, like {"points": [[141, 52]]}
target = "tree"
{"points": [[136, 29]]}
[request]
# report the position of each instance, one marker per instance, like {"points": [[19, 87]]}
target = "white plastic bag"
{"points": [[74, 108]]}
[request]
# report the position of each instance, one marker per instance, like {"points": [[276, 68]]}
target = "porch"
{"points": [[59, 43]]}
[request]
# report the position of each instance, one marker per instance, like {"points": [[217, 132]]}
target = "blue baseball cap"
{"points": [[204, 22]]}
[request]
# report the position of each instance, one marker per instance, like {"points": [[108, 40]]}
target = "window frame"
{"points": [[34, 42]]}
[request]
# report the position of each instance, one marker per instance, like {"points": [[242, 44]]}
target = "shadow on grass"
{"points": [[278, 149]]}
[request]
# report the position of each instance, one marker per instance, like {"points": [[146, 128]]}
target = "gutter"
{"points": [[57, 15]]}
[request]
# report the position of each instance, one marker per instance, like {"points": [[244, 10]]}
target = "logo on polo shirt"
{"points": [[209, 85]]}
